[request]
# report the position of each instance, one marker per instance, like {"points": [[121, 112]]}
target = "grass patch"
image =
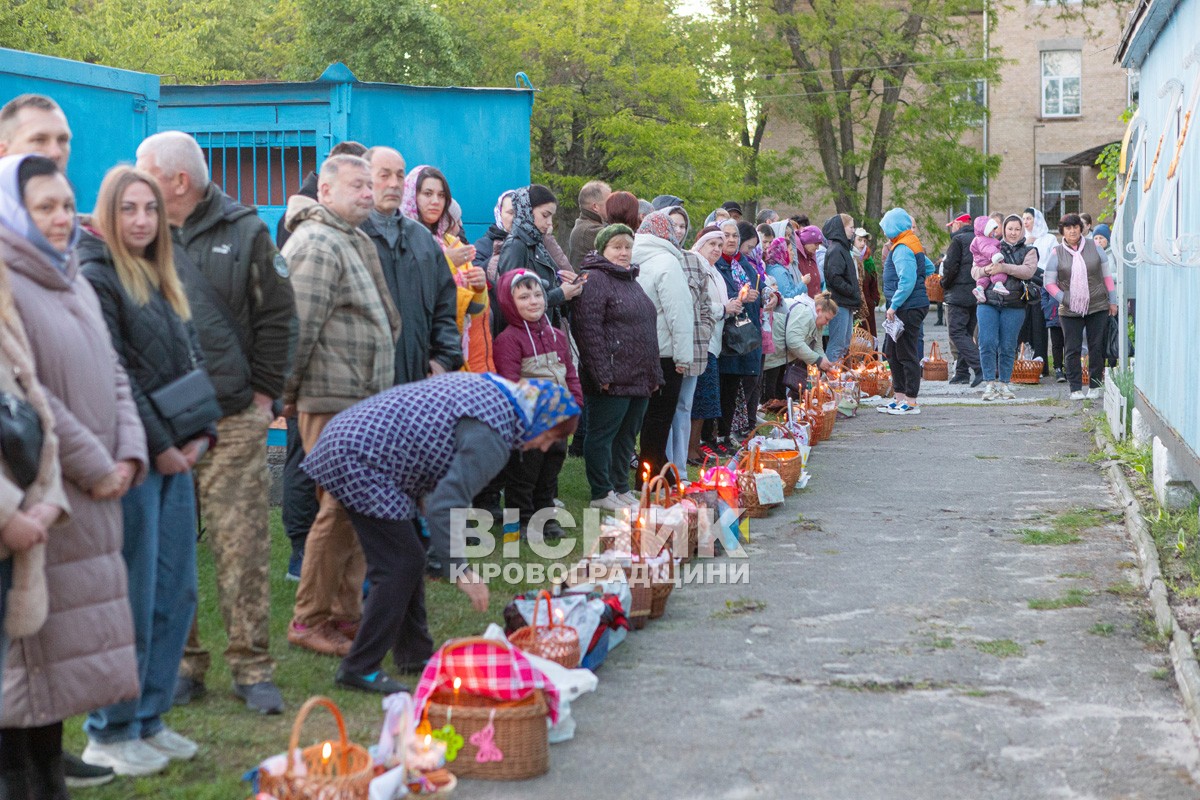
{"points": [[742, 605], [1037, 536], [1073, 598], [1148, 631], [886, 687], [805, 524], [1125, 589], [1102, 629], [1161, 674], [232, 740], [1075, 575], [987, 458], [976, 693], [942, 642], [1001, 648], [1066, 527]]}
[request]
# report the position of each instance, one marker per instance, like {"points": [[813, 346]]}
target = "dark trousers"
{"points": [[531, 479], [1056, 345], [1073, 327], [613, 426], [772, 383], [961, 322], [394, 611], [37, 754], [904, 355], [660, 412], [300, 502], [750, 386], [1034, 332]]}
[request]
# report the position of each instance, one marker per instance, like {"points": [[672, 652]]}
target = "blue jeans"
{"points": [[840, 328], [160, 555], [681, 424], [998, 331]]}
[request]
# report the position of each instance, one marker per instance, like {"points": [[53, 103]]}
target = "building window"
{"points": [[974, 205], [1133, 87], [1060, 193], [1060, 83]]}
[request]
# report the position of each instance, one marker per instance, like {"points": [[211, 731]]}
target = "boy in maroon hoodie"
{"points": [[530, 347]]}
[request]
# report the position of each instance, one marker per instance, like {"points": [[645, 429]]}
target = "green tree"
{"points": [[400, 41], [884, 93]]}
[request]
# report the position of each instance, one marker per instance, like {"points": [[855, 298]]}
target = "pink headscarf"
{"points": [[777, 252], [408, 204]]}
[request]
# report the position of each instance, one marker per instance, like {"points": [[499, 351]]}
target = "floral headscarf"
{"points": [[777, 252], [540, 404], [408, 204], [497, 211], [659, 224]]}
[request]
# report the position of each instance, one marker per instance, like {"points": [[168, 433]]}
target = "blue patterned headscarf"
{"points": [[540, 404]]}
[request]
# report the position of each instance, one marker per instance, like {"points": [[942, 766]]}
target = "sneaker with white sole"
{"points": [[1000, 289], [1079, 395], [990, 392], [628, 499], [610, 502], [905, 409], [1005, 392], [1095, 393], [172, 745], [886, 408], [980, 297], [133, 757]]}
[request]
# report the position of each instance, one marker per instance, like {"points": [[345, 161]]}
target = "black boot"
{"points": [[49, 780], [14, 785]]}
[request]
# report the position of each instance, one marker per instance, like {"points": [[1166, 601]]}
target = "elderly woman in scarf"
{"points": [[503, 215], [657, 250], [741, 373], [435, 443], [1079, 276], [785, 272], [528, 248], [808, 240]]}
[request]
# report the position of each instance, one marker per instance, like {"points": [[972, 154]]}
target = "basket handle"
{"points": [[537, 604], [467, 641], [301, 716], [935, 353], [657, 489], [768, 424], [670, 467]]}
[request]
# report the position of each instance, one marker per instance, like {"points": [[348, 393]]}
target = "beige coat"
{"points": [[27, 603], [83, 657]]}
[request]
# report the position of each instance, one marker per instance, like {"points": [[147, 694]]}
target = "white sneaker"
{"points": [[999, 288], [559, 503], [133, 757], [990, 392], [1095, 393], [610, 502], [172, 745], [1080, 395], [628, 498], [1005, 392], [980, 297], [886, 408]]}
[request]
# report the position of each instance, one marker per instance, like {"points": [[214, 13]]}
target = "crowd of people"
{"points": [[1010, 282], [150, 344]]}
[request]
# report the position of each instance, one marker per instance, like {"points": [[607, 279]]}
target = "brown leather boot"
{"points": [[321, 638]]}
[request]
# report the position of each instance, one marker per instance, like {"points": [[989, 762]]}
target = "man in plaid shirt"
{"points": [[345, 352]]}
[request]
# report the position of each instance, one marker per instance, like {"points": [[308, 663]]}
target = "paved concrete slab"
{"points": [[897, 655]]}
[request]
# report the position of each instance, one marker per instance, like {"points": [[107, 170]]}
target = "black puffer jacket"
{"points": [[841, 274], [485, 245], [956, 269], [155, 346]]}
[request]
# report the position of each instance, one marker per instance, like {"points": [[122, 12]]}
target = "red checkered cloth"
{"points": [[488, 669]]}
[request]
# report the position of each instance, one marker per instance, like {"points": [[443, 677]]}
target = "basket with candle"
{"points": [[329, 770]]}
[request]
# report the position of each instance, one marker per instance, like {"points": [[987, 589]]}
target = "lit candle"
{"points": [[326, 751], [457, 686]]}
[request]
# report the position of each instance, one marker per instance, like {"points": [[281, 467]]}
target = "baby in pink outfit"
{"points": [[985, 250]]}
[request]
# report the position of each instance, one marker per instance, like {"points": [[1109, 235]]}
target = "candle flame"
{"points": [[428, 740], [457, 683], [558, 615], [326, 751]]}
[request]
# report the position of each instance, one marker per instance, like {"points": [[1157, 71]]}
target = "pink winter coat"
{"points": [[83, 657]]}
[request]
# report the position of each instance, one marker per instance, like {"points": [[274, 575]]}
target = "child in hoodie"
{"points": [[985, 249], [530, 347]]}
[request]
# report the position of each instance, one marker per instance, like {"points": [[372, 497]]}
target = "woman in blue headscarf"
{"points": [[437, 443]]}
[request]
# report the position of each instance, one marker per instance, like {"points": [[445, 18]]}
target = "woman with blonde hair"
{"points": [[130, 264]]}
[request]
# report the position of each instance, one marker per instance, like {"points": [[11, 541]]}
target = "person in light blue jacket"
{"points": [[904, 275]]}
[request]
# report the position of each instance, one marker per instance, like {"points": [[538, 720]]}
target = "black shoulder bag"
{"points": [[21, 438]]}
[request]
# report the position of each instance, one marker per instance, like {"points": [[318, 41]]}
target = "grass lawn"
{"points": [[232, 740]]}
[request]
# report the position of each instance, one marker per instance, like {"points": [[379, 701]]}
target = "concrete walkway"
{"points": [[894, 653]]}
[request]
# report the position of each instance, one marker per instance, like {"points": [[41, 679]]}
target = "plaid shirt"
{"points": [[488, 669], [348, 325], [703, 321]]}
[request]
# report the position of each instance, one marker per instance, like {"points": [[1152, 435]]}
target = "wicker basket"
{"points": [[750, 465], [935, 367], [588, 570], [692, 548], [1025, 369], [787, 463], [862, 344], [934, 288], [335, 770], [554, 641], [521, 734], [660, 592]]}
